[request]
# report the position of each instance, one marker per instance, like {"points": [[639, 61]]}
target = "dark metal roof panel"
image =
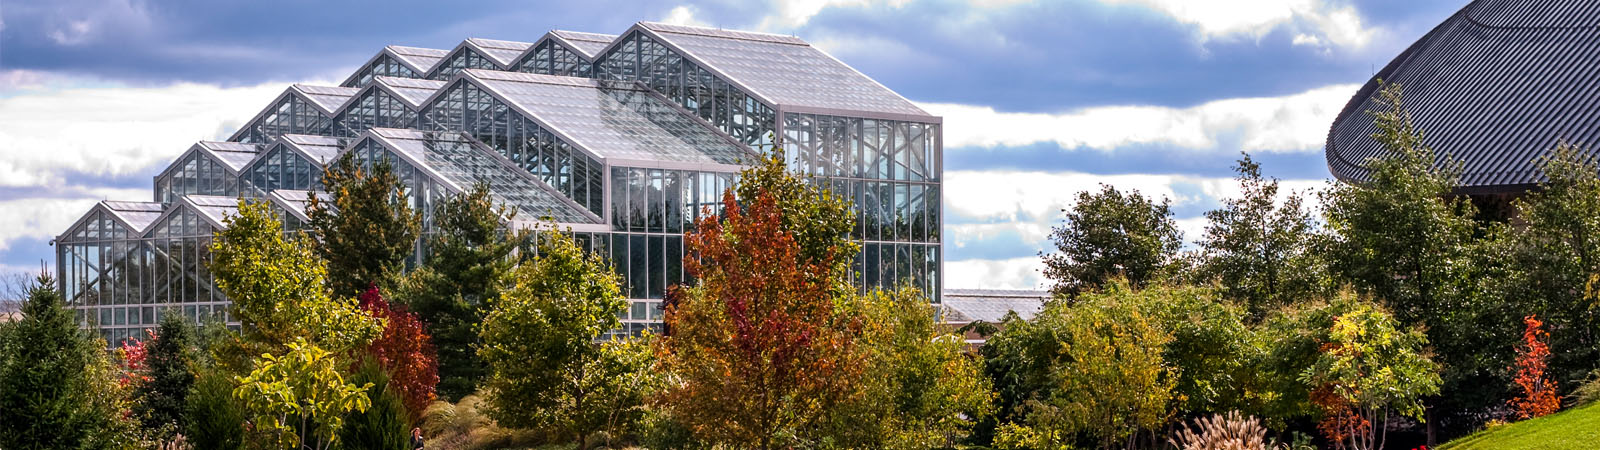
{"points": [[1495, 86]]}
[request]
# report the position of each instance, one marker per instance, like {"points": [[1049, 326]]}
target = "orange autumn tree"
{"points": [[404, 351], [757, 350], [1538, 397]]}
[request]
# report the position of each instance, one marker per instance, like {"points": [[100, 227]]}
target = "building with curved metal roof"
{"points": [[1495, 86]]}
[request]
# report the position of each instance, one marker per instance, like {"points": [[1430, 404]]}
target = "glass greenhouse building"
{"points": [[624, 139]]}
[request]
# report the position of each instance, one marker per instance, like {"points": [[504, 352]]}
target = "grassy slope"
{"points": [[1572, 429]]}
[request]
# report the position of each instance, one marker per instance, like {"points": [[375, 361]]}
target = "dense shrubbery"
{"points": [[1404, 309]]}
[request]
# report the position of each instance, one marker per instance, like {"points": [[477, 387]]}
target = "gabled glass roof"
{"points": [[419, 59], [295, 201], [326, 98], [319, 149], [137, 216], [233, 155], [783, 70], [412, 91], [589, 44], [458, 161], [212, 208], [504, 53], [615, 121]]}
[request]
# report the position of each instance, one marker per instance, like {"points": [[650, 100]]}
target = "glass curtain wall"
{"points": [[891, 170], [466, 107], [195, 174], [121, 284], [651, 209], [639, 58]]}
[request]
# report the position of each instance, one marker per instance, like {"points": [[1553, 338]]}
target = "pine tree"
{"points": [[369, 230], [169, 363], [57, 387], [468, 257]]}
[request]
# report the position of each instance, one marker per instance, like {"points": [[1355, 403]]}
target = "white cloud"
{"points": [[990, 207], [1007, 196], [44, 218], [54, 123], [1014, 273], [1293, 123], [1317, 21], [682, 15]]}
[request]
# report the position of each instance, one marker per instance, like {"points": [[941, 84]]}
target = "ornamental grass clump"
{"points": [[1232, 431]]}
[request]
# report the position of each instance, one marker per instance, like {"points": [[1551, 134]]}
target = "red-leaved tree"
{"points": [[405, 352], [131, 362], [1538, 396], [757, 350]]}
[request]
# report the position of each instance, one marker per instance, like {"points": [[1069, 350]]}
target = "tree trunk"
{"points": [[1427, 415]]}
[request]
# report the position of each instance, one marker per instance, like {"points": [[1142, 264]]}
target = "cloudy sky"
{"points": [[1041, 99]]}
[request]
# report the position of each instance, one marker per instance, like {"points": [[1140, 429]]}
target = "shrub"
{"points": [[212, 419]]}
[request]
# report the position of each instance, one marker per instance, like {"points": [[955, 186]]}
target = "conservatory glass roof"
{"points": [[326, 98], [420, 59], [784, 70], [320, 149], [504, 53], [459, 161], [618, 122], [589, 44], [213, 208], [136, 215], [232, 154], [412, 91]]}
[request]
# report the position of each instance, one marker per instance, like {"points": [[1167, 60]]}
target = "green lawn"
{"points": [[1576, 429]]}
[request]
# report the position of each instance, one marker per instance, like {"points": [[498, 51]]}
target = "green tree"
{"points": [[540, 340], [161, 400], [1110, 234], [1376, 367], [369, 229], [919, 390], [469, 254], [298, 400], [278, 287], [1553, 257], [1261, 253], [1213, 353], [1402, 238], [57, 383], [1099, 371]]}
